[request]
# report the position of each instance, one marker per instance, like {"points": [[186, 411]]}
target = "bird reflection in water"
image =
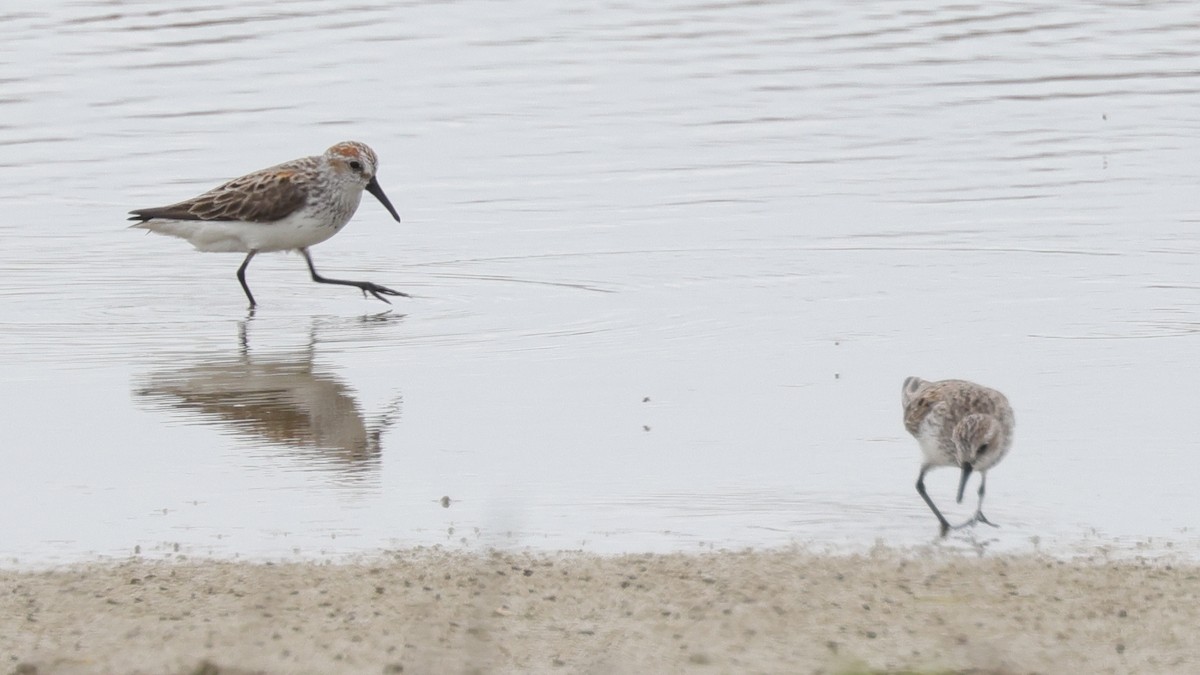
{"points": [[279, 399]]}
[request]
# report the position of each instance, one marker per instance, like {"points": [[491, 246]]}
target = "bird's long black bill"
{"points": [[962, 482], [373, 188]]}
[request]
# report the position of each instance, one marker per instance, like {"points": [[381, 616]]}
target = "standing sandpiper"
{"points": [[957, 423], [287, 207]]}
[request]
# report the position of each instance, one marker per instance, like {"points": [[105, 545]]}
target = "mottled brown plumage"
{"points": [[262, 197]]}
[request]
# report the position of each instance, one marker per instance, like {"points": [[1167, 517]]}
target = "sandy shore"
{"points": [[431, 611]]}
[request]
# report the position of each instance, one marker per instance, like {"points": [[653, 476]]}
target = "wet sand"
{"points": [[433, 611]]}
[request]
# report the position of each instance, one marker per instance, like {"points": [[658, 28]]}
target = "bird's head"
{"points": [[978, 444], [356, 164]]}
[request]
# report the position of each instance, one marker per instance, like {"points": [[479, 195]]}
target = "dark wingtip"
{"points": [[139, 215]]}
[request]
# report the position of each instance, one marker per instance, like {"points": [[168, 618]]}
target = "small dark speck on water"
{"points": [[445, 502], [645, 399], [645, 427]]}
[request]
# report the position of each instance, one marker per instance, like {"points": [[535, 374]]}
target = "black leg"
{"points": [[364, 286], [242, 276], [979, 517], [925, 495]]}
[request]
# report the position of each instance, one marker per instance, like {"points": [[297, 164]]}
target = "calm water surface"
{"points": [[671, 266]]}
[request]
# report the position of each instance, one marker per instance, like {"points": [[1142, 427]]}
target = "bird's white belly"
{"points": [[929, 438], [225, 236]]}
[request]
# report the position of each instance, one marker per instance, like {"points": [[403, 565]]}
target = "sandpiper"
{"points": [[957, 423], [287, 207]]}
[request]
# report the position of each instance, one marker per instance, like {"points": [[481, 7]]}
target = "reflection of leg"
{"points": [[243, 341], [364, 286], [979, 517], [925, 495]]}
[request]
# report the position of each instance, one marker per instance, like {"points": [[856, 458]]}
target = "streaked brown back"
{"points": [[959, 395], [261, 197]]}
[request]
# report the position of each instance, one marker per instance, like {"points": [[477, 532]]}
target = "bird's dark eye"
{"points": [[983, 448], [356, 165]]}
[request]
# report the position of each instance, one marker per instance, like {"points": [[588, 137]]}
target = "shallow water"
{"points": [[671, 266]]}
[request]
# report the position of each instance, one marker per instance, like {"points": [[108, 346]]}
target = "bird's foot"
{"points": [[977, 518], [379, 291]]}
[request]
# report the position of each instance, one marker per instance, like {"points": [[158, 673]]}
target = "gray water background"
{"points": [[672, 263]]}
